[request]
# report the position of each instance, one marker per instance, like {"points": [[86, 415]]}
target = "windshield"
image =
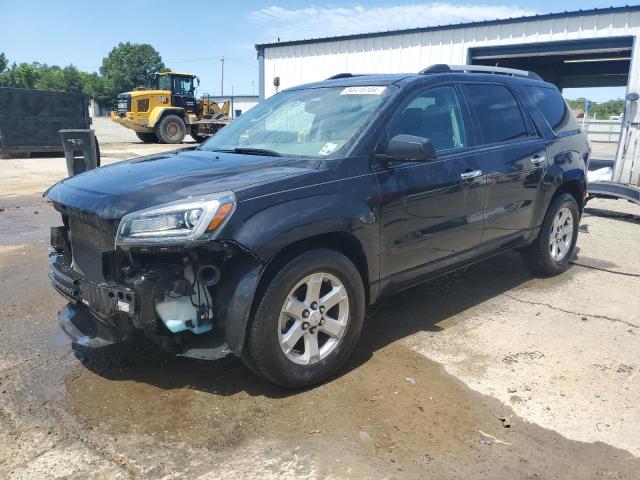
{"points": [[316, 122], [164, 82]]}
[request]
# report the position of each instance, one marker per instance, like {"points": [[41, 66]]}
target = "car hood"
{"points": [[115, 190]]}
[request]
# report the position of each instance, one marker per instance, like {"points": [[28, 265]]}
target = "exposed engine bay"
{"points": [[167, 293]]}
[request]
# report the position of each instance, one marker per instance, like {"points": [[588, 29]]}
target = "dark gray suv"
{"points": [[269, 240]]}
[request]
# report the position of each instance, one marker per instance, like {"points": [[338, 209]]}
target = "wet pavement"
{"points": [[439, 373]]}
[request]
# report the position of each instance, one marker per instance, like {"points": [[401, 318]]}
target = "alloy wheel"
{"points": [[313, 319], [561, 234]]}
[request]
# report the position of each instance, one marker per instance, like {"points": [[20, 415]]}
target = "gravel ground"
{"points": [[487, 373]]}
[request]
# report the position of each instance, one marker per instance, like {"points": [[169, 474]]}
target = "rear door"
{"points": [[513, 159], [431, 212]]}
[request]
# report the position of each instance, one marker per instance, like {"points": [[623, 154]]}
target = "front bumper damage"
{"points": [[101, 313]]}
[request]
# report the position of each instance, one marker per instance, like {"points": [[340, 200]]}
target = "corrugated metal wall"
{"points": [[308, 62]]}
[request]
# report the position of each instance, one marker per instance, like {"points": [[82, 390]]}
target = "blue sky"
{"points": [[192, 36]]}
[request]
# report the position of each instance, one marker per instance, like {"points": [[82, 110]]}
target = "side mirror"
{"points": [[410, 148]]}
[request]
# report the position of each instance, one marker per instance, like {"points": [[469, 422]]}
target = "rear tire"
{"points": [[171, 129], [308, 320], [195, 136], [147, 137], [551, 252]]}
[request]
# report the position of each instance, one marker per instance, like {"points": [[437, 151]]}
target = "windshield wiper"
{"points": [[256, 151]]}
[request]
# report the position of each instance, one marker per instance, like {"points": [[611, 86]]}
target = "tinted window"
{"points": [[554, 108], [497, 112], [434, 114]]}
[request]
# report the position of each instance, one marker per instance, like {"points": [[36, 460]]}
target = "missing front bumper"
{"points": [[84, 329]]}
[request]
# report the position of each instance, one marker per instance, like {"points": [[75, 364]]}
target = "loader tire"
{"points": [[171, 129], [195, 136], [147, 137]]}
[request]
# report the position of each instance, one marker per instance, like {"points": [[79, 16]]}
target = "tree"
{"points": [[130, 65], [98, 89], [23, 75], [126, 67], [3, 62]]}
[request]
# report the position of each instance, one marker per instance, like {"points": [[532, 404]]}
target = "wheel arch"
{"points": [[159, 112], [240, 299], [342, 242], [575, 186]]}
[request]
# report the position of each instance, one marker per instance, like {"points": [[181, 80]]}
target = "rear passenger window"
{"points": [[554, 108], [497, 112]]}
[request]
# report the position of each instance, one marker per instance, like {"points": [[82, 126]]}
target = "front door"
{"points": [[183, 93], [431, 212]]}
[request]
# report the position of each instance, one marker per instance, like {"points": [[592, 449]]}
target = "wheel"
{"points": [[308, 320], [171, 129], [195, 136], [551, 252], [147, 137]]}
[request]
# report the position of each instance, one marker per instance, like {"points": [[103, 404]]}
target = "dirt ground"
{"points": [[487, 373]]}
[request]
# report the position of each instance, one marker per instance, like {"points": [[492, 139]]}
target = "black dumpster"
{"points": [[31, 119]]}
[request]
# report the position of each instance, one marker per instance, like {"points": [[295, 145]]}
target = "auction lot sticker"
{"points": [[363, 90]]}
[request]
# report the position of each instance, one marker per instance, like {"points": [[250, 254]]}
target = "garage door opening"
{"points": [[573, 64]]}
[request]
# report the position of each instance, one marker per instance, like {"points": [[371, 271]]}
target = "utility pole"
{"points": [[253, 87], [222, 77]]}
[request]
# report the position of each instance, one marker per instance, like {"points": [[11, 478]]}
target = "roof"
{"points": [[176, 73], [229, 97], [407, 78], [482, 23], [378, 79]]}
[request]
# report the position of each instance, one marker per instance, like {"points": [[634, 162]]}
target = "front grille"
{"points": [[88, 243], [124, 103]]}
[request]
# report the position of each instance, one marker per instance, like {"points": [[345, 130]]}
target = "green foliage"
{"points": [[602, 110], [126, 67], [130, 65]]}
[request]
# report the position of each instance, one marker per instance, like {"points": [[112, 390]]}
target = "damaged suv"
{"points": [[269, 240]]}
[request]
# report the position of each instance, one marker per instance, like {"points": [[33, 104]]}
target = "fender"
{"points": [[567, 167], [271, 229], [157, 113]]}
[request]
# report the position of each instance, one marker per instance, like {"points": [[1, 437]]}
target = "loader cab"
{"points": [[181, 86]]}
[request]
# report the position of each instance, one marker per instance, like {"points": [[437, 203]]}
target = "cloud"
{"points": [[313, 22]]}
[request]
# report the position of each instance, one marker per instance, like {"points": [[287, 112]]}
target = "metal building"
{"points": [[239, 103], [588, 48]]}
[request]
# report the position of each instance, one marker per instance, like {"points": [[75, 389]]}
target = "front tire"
{"points": [[308, 320], [551, 252], [171, 129]]}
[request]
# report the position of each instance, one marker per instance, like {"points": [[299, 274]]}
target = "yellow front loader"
{"points": [[170, 111]]}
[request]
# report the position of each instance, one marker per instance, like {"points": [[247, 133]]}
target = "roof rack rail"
{"points": [[340, 75], [513, 72]]}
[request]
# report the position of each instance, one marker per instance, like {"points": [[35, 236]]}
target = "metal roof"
{"points": [[500, 21]]}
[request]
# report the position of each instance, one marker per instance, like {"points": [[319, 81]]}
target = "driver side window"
{"points": [[182, 86], [434, 114]]}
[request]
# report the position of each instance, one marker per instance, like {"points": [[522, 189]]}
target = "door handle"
{"points": [[538, 160], [470, 175]]}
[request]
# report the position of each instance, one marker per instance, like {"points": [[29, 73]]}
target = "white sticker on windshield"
{"points": [[328, 148], [366, 90]]}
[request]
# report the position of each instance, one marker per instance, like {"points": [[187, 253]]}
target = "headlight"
{"points": [[176, 223]]}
